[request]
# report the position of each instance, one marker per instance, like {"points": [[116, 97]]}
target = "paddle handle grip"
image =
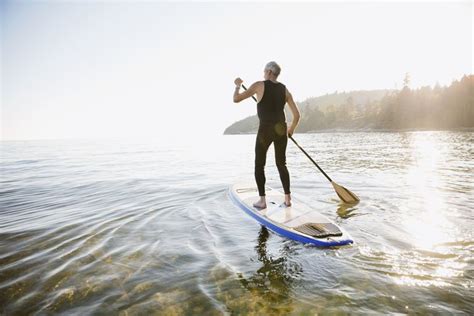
{"points": [[304, 152]]}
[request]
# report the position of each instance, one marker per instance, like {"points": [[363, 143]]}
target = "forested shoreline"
{"points": [[425, 108]]}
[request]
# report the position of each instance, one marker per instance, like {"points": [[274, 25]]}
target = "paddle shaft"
{"points": [[304, 152]]}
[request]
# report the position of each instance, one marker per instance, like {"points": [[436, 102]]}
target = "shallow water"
{"points": [[138, 227]]}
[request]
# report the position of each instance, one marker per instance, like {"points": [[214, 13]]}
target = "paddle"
{"points": [[344, 194]]}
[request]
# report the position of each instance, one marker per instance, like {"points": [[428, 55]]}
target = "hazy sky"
{"points": [[165, 70]]}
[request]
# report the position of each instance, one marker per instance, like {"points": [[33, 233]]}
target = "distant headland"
{"points": [[425, 108]]}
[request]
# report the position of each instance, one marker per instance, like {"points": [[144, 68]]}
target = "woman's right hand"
{"points": [[238, 82]]}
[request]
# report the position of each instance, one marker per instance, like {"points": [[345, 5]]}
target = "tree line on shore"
{"points": [[423, 108]]}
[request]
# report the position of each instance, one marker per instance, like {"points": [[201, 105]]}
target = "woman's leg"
{"points": [[280, 144], [262, 143]]}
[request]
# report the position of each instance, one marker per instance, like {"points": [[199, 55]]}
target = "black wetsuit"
{"points": [[272, 128]]}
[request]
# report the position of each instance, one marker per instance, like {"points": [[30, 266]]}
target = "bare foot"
{"points": [[287, 204], [287, 200], [260, 204]]}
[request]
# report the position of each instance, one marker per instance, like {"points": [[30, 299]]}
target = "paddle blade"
{"points": [[344, 194]]}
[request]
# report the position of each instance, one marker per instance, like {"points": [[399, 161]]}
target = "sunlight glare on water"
{"points": [[426, 219]]}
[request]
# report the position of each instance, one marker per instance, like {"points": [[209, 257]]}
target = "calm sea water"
{"points": [[145, 228]]}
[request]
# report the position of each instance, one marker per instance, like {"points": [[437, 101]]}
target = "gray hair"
{"points": [[273, 67]]}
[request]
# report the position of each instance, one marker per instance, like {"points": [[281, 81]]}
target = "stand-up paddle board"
{"points": [[299, 221]]}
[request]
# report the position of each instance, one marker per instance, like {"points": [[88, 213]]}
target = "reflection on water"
{"points": [[271, 284], [344, 211], [429, 224], [142, 228]]}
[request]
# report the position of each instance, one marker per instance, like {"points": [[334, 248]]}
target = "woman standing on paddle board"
{"points": [[272, 96]]}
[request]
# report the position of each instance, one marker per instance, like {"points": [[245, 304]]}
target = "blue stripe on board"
{"points": [[284, 232]]}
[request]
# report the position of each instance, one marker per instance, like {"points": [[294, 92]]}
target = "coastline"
{"points": [[369, 130]]}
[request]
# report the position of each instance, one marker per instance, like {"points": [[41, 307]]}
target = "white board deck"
{"points": [[282, 219]]}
